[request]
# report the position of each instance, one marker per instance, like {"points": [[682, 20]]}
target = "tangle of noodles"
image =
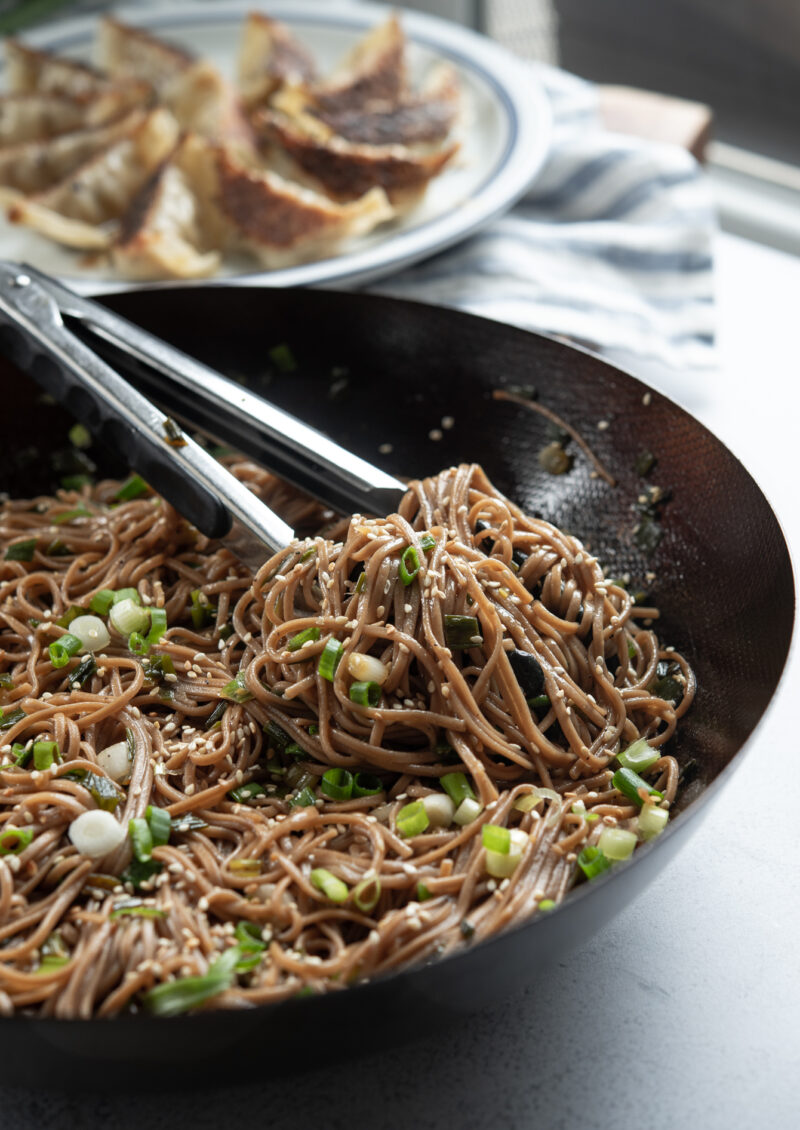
{"points": [[240, 875]]}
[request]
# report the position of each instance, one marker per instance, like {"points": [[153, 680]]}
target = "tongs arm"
{"points": [[230, 413], [34, 336]]}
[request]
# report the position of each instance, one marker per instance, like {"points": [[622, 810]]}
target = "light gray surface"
{"points": [[684, 1011]]}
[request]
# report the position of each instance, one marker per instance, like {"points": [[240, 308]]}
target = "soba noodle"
{"points": [[291, 884]]}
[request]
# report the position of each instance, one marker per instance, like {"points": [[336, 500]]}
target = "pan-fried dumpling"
{"points": [[78, 211], [129, 52], [375, 70], [38, 117], [204, 101], [417, 119], [345, 169], [268, 57], [36, 165], [279, 222], [32, 71], [168, 231]]}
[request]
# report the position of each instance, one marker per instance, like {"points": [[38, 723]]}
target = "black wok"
{"points": [[372, 372]]}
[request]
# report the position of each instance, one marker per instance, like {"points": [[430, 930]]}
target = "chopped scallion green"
{"points": [[366, 894], [62, 649], [409, 565], [141, 839], [45, 755], [242, 793], [331, 887], [101, 602], [462, 631], [629, 783], [495, 838], [302, 798], [330, 659], [457, 787], [639, 756], [427, 542], [365, 694], [133, 487], [21, 550], [302, 638], [337, 784], [366, 784], [412, 819], [13, 841], [174, 997], [592, 862], [236, 690], [160, 824], [9, 718]]}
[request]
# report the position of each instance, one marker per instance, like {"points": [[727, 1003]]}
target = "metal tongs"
{"points": [[36, 336]]}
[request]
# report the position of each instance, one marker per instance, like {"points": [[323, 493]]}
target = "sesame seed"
{"points": [[602, 425], [647, 399], [435, 434], [447, 422]]}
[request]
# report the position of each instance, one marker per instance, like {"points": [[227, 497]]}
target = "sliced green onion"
{"points": [[629, 783], [13, 841], [497, 839], [137, 644], [462, 631], [136, 910], [6, 680], [126, 594], [501, 864], [158, 625], [337, 784], [9, 718], [538, 702], [71, 515], [365, 694], [361, 583], [236, 690], [279, 739], [174, 997], [412, 819], [21, 754], [62, 649], [457, 787], [158, 666], [159, 823], [21, 550], [526, 802], [45, 754], [366, 894], [303, 798], [330, 659], [427, 542], [202, 610], [652, 821], [282, 357], [80, 436], [245, 866], [215, 717], [409, 565], [71, 614], [76, 482], [104, 792], [141, 839], [101, 602], [592, 862], [469, 810], [242, 793], [127, 616], [366, 784], [251, 944], [423, 894], [134, 487], [331, 887], [617, 843], [546, 904], [294, 749], [639, 756], [139, 872], [302, 638]]}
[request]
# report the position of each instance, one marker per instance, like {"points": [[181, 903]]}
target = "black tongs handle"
{"points": [[33, 335]]}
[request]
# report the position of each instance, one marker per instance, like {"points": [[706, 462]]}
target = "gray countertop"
{"points": [[684, 1011]]}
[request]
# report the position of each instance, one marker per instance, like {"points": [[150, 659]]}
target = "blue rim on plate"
{"points": [[514, 91]]}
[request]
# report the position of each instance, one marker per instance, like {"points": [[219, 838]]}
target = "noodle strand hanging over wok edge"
{"points": [[375, 750]]}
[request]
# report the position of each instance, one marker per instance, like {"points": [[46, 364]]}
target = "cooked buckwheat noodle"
{"points": [[79, 937]]}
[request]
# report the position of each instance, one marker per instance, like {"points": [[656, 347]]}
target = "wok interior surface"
{"points": [[374, 372]]}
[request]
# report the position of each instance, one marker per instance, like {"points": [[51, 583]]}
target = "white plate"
{"points": [[505, 133]]}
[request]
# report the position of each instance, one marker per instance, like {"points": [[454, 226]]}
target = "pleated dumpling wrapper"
{"points": [[269, 56], [172, 230], [84, 209], [278, 222]]}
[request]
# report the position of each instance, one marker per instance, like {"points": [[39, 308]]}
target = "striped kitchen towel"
{"points": [[611, 247]]}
